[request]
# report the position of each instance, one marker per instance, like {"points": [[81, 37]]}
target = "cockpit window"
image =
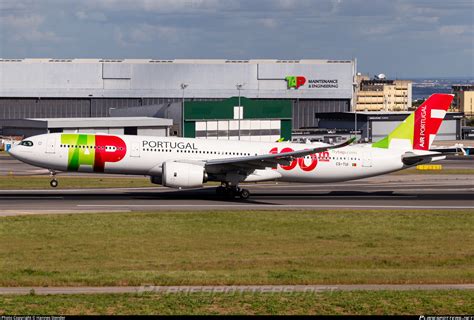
{"points": [[26, 143]]}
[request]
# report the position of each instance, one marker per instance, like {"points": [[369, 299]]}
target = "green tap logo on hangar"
{"points": [[295, 81]]}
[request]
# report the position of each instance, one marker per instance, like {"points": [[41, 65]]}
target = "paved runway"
{"points": [[386, 192], [232, 289]]}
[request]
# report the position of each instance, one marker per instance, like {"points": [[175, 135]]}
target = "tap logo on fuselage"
{"points": [[92, 150]]}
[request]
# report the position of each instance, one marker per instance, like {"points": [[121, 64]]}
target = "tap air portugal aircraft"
{"points": [[189, 163]]}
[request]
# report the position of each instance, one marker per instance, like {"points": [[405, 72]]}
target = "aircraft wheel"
{"points": [[53, 183], [244, 194]]}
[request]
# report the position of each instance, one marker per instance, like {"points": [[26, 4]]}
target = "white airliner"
{"points": [[189, 163]]}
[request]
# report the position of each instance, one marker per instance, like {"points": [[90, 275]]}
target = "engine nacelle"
{"points": [[183, 175]]}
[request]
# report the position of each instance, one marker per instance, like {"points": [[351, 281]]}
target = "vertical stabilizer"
{"points": [[419, 129]]}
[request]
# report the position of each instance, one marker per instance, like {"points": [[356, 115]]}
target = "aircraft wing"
{"points": [[268, 160]]}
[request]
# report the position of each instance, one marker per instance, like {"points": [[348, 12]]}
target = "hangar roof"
{"points": [[180, 61]]}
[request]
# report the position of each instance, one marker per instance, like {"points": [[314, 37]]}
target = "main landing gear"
{"points": [[232, 192], [53, 183]]}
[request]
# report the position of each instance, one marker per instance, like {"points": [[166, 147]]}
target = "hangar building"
{"points": [[132, 126], [281, 95], [371, 126]]}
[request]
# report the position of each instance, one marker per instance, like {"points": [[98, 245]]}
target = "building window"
{"points": [[238, 112]]}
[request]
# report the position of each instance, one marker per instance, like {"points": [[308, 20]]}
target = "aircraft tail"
{"points": [[419, 129]]}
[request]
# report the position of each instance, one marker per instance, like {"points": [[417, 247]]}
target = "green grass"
{"points": [[42, 182], [326, 303], [231, 247]]}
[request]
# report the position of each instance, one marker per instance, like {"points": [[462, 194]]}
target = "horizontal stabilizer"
{"points": [[410, 158]]}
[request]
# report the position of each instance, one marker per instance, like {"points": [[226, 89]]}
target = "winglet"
{"points": [[348, 142], [341, 145]]}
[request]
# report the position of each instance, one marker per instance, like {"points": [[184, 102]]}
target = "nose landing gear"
{"points": [[53, 183]]}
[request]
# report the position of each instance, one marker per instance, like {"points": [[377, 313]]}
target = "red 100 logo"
{"points": [[302, 162]]}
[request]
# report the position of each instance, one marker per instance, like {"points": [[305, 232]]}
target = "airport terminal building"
{"points": [[275, 96]]}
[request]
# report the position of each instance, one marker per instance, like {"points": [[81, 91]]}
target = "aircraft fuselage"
{"points": [[144, 155]]}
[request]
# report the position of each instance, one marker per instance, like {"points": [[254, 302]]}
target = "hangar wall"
{"points": [[58, 88], [447, 130], [238, 119], [139, 78], [373, 126]]}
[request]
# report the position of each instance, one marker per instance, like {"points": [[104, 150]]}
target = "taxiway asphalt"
{"points": [[386, 192], [231, 289]]}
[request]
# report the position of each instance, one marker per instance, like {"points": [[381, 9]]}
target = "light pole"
{"points": [[183, 87], [355, 122], [239, 87], [355, 119], [355, 91]]}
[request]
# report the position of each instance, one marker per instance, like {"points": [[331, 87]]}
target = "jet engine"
{"points": [[183, 175]]}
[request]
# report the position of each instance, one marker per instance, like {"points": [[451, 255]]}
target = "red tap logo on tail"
{"points": [[428, 119]]}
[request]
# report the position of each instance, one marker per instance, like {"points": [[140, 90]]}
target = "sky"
{"points": [[401, 38]]}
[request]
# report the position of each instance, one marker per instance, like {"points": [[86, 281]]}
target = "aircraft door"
{"points": [[51, 146], [367, 159], [135, 152]]}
